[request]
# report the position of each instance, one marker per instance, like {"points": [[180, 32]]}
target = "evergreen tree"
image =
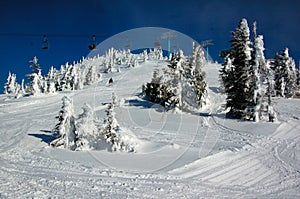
{"points": [[156, 91], [197, 75], [145, 55], [87, 134], [35, 67], [36, 85], [298, 77], [285, 74], [256, 89], [51, 80], [181, 86], [112, 133], [111, 127], [91, 75], [64, 130], [11, 86], [238, 78]]}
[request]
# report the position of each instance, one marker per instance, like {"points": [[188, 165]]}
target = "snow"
{"points": [[186, 155]]}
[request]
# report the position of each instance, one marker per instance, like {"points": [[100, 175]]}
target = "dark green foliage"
{"points": [[235, 72], [200, 87], [111, 127], [159, 93], [284, 74], [182, 84]]}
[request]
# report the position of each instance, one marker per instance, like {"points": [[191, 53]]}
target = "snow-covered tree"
{"points": [[91, 75], [112, 132], [155, 54], [256, 91], [261, 84], [76, 82], [87, 133], [298, 77], [110, 60], [181, 86], [11, 85], [36, 85], [51, 80], [155, 90], [237, 79], [145, 55], [35, 66], [65, 128], [198, 75], [284, 74], [111, 128]]}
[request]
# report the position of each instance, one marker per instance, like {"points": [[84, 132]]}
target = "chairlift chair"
{"points": [[45, 43], [93, 45]]}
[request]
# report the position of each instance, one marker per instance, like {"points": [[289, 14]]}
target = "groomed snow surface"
{"points": [[188, 155]]}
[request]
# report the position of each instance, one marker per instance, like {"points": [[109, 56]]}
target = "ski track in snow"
{"points": [[218, 158]]}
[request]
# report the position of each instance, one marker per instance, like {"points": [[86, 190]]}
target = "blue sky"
{"points": [[201, 20]]}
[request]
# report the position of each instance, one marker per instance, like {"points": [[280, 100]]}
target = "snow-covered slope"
{"points": [[193, 155]]}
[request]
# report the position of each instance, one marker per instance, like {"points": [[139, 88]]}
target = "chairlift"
{"points": [[156, 44], [45, 43], [93, 45]]}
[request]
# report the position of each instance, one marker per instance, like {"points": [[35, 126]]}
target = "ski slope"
{"points": [[187, 155]]}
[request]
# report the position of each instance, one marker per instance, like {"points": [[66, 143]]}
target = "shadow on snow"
{"points": [[47, 137]]}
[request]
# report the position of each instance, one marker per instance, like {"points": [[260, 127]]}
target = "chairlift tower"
{"points": [[205, 45], [168, 36]]}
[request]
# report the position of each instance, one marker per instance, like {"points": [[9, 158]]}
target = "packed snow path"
{"points": [[181, 155]]}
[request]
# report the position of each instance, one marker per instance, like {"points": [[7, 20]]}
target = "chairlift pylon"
{"points": [[45, 43], [93, 45]]}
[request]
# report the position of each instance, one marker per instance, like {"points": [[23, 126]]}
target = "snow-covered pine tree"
{"points": [[284, 74], [22, 89], [109, 60], [87, 133], [111, 127], [91, 75], [256, 90], [61, 80], [64, 130], [76, 82], [226, 74], [173, 78], [51, 80], [36, 85], [145, 55], [262, 83], [155, 54], [291, 82], [65, 81], [11, 85], [238, 85], [181, 86], [155, 91], [111, 130], [298, 77], [198, 75], [35, 67]]}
